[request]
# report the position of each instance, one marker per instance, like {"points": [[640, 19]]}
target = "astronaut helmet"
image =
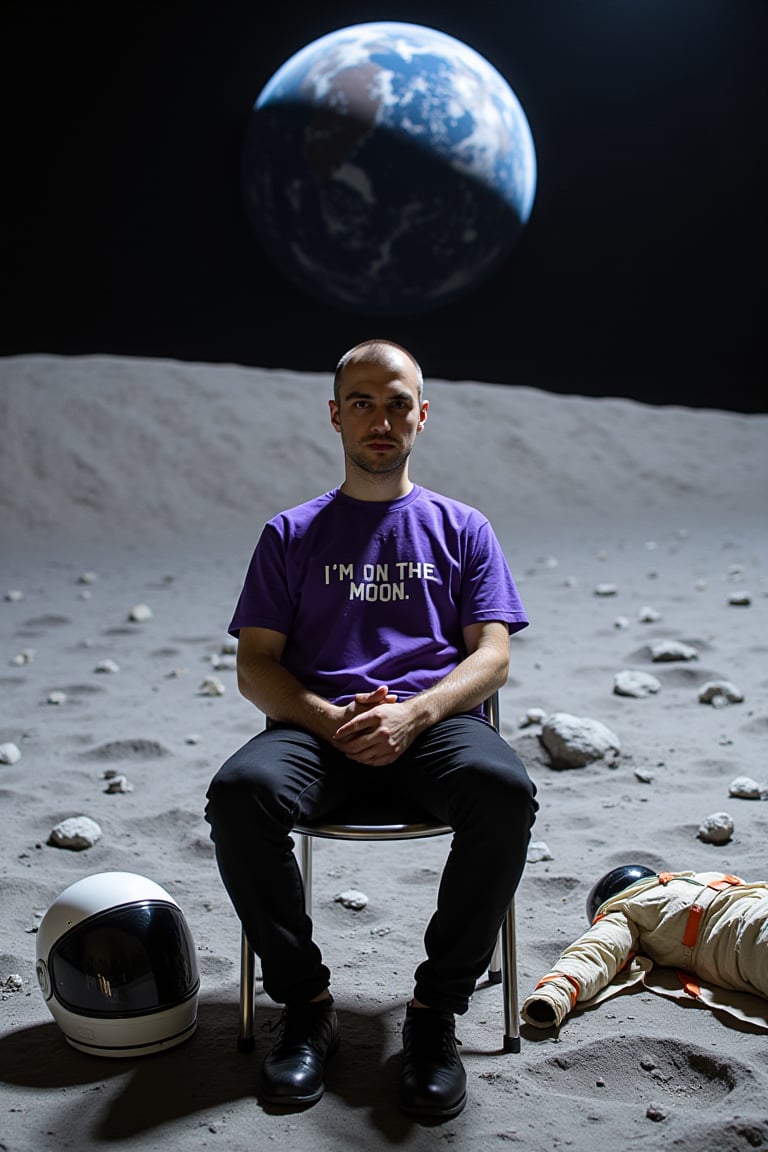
{"points": [[614, 882], [117, 966]]}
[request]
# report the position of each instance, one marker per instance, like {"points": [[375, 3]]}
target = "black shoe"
{"points": [[293, 1071], [433, 1083]]}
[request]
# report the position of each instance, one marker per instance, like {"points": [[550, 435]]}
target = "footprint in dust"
{"points": [[715, 768], [739, 1133], [138, 749], [553, 887], [50, 620], [39, 625], [631, 1070], [78, 691]]}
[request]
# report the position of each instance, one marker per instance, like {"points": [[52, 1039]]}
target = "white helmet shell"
{"points": [[117, 966]]}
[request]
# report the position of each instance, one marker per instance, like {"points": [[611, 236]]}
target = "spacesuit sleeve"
{"points": [[583, 969]]}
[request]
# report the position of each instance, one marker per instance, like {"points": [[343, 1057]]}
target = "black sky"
{"points": [[641, 272]]}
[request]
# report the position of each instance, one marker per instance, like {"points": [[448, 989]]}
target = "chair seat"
{"points": [[386, 820]]}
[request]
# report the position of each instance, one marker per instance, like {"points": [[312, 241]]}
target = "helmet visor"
{"points": [[125, 962]]}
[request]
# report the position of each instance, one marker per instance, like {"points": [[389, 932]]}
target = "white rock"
{"points": [[538, 851], [193, 738], [648, 615], [13, 595], [57, 697], [533, 716], [740, 599], [573, 741], [13, 983], [621, 622], [87, 578], [722, 690], [352, 899], [212, 686], [638, 684], [665, 650], [118, 784], [26, 656], [140, 613], [717, 828], [75, 833], [605, 590], [224, 660], [9, 754], [644, 775], [745, 788], [107, 666]]}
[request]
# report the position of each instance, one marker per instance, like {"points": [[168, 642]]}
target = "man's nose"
{"points": [[381, 420]]}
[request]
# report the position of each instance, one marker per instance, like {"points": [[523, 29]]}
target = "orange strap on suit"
{"points": [[576, 987], [693, 923]]}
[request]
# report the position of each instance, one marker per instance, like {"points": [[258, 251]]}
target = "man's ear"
{"points": [[334, 410], [422, 415]]}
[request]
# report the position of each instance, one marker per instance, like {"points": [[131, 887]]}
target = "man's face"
{"points": [[379, 414]]}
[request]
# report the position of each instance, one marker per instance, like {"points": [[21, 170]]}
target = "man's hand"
{"points": [[379, 729], [365, 700]]}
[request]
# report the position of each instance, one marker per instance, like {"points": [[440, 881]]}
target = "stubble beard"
{"points": [[375, 465]]}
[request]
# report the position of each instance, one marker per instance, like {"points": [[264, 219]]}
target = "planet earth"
{"points": [[387, 168]]}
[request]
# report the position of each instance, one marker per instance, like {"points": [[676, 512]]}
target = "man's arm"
{"points": [[263, 680], [382, 733]]}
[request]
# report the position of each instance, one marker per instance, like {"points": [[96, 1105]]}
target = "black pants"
{"points": [[460, 771]]}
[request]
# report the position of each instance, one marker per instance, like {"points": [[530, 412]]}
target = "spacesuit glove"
{"points": [[550, 1003]]}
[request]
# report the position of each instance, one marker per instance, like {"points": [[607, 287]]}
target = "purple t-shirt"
{"points": [[371, 593]]}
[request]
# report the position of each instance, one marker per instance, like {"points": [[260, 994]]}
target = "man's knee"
{"points": [[242, 788], [222, 802], [504, 789], [261, 784]]}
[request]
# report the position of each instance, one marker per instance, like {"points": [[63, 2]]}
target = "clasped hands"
{"points": [[376, 729]]}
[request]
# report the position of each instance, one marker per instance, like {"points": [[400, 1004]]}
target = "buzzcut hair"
{"points": [[375, 351]]}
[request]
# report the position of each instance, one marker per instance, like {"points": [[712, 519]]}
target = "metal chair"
{"points": [[348, 823]]}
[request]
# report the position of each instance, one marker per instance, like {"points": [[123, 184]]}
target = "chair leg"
{"points": [[306, 872], [245, 1040], [511, 999], [495, 975]]}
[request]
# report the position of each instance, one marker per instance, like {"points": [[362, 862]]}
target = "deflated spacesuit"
{"points": [[709, 926]]}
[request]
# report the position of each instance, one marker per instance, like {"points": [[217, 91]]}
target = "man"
{"points": [[707, 925], [372, 624]]}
